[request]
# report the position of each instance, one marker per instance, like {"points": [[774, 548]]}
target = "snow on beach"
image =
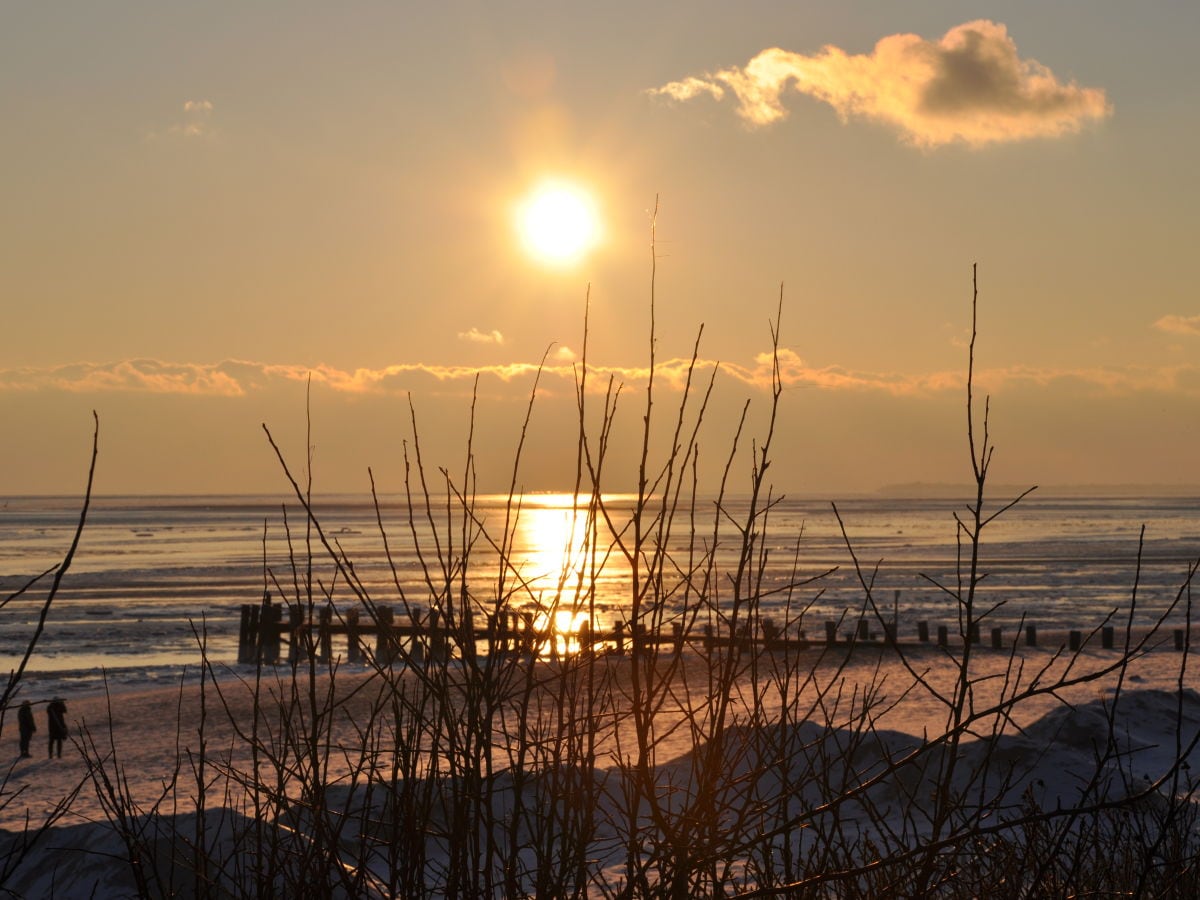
{"points": [[152, 735]]}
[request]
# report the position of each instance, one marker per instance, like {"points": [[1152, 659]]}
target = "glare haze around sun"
{"points": [[557, 223]]}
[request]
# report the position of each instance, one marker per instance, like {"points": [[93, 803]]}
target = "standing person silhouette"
{"points": [[27, 727], [56, 713]]}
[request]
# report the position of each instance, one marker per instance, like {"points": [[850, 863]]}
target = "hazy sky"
{"points": [[205, 205]]}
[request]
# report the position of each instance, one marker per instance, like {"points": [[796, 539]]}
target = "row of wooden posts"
{"points": [[264, 631]]}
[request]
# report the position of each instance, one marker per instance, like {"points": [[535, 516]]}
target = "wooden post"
{"points": [[1106, 637], [295, 633], [708, 638], [325, 617], [975, 633], [1075, 640], [1179, 639], [831, 632], [256, 636], [889, 633], [529, 643], [771, 634], [864, 629], [551, 637], [997, 641], [269, 619], [943, 636], [677, 637], [419, 648], [923, 632], [247, 633], [619, 635], [637, 638], [353, 649], [437, 637], [508, 628], [585, 636], [385, 641], [1030, 635]]}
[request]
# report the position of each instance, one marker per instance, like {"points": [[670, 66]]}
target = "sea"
{"points": [[155, 579]]}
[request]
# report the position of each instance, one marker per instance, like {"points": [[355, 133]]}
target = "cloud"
{"points": [[970, 86], [134, 375], [196, 122], [476, 336], [238, 378], [1179, 324]]}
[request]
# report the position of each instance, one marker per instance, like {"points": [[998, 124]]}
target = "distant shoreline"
{"points": [[912, 490]]}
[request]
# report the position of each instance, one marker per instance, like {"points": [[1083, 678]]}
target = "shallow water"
{"points": [[155, 576]]}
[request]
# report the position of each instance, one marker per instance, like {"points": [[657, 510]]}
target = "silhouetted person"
{"points": [[56, 713], [26, 725]]}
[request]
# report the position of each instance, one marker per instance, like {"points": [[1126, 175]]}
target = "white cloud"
{"points": [[970, 86], [475, 336], [197, 120], [1179, 324]]}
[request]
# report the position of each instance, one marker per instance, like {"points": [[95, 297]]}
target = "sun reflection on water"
{"points": [[552, 555]]}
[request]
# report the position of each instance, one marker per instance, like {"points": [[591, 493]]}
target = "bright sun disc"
{"points": [[558, 224]]}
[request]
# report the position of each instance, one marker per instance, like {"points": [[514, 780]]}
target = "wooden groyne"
{"points": [[272, 632]]}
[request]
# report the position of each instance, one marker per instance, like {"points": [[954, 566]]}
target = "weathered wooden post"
{"points": [[353, 649], [1030, 635], [943, 636], [677, 637], [889, 633], [708, 639], [385, 641], [529, 642], [296, 632], [493, 634], [637, 637], [585, 636], [269, 618], [923, 632], [248, 633], [997, 641], [551, 637], [1106, 637], [619, 637], [437, 637], [864, 629], [508, 630], [325, 632], [1075, 640], [975, 633], [831, 632], [1179, 639], [770, 634]]}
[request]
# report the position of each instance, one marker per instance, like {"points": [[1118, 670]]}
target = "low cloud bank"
{"points": [[236, 378]]}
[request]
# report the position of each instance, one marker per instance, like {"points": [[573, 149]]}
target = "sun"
{"points": [[557, 223]]}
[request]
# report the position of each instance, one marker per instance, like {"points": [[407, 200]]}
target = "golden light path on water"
{"points": [[552, 555]]}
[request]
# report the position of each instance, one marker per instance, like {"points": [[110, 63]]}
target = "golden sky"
{"points": [[206, 206]]}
